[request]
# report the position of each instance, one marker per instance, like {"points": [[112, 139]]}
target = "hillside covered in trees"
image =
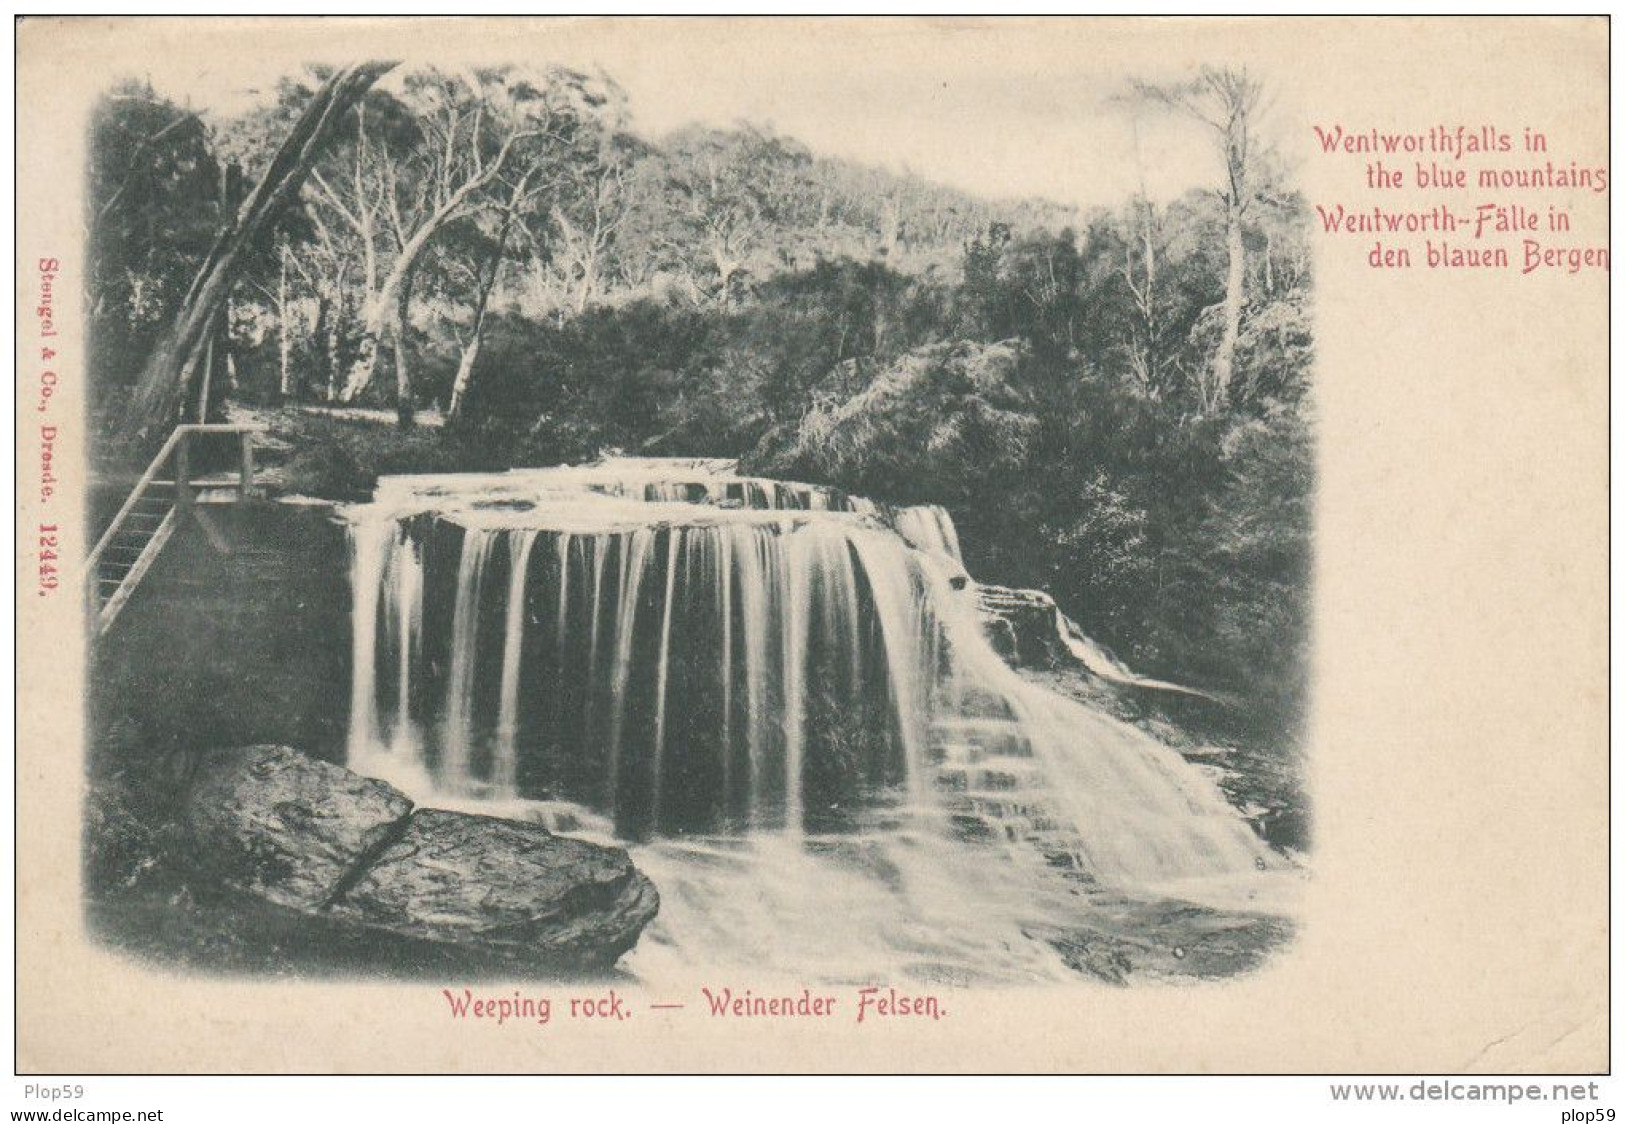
{"points": [[1113, 405]]}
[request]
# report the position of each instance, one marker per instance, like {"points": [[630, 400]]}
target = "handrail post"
{"points": [[246, 481], [183, 473]]}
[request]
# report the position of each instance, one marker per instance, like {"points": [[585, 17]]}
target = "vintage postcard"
{"points": [[812, 545]]}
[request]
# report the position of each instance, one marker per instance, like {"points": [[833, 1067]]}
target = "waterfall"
{"points": [[747, 551], [929, 528], [405, 599], [368, 541], [458, 739], [634, 551], [505, 764], [691, 652], [663, 673], [386, 574]]}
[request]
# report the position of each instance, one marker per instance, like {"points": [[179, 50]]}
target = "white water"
{"points": [[504, 767], [712, 652], [929, 528], [405, 590], [457, 740], [1102, 663]]}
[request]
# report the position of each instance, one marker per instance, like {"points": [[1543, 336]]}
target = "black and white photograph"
{"points": [[582, 546], [905, 544]]}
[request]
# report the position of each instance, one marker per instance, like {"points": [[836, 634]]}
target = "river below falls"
{"points": [[901, 907], [900, 901]]}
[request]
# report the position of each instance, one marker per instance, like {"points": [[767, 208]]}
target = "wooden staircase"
{"points": [[155, 507]]}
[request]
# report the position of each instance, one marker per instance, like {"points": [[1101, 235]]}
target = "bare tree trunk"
{"points": [[331, 332], [465, 376], [329, 311], [374, 324], [1224, 361], [396, 287], [405, 414], [320, 338], [1226, 101], [170, 368], [471, 350], [284, 348], [1144, 335], [1148, 249], [589, 283]]}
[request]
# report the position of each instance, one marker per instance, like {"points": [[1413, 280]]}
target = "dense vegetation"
{"points": [[1112, 405]]}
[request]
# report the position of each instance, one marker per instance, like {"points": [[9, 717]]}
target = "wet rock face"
{"points": [[514, 890], [352, 856], [271, 822], [1021, 624]]}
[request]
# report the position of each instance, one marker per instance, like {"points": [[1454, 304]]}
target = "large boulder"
{"points": [[351, 856], [269, 821], [514, 890]]}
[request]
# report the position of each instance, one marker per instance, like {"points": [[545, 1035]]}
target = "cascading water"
{"points": [[928, 528], [751, 679]]}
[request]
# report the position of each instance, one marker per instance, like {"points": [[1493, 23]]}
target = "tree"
{"points": [[1145, 336], [483, 275], [584, 221], [175, 358], [305, 279], [1226, 101], [1144, 342], [462, 133], [154, 207], [578, 167], [729, 190], [283, 302], [325, 265]]}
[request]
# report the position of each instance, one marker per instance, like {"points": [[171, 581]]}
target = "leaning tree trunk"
{"points": [[471, 350], [161, 389], [389, 299], [330, 308], [465, 375], [482, 301]]}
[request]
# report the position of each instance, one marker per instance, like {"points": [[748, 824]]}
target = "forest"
{"points": [[490, 268]]}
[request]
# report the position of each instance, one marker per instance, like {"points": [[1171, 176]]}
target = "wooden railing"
{"points": [[133, 540]]}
